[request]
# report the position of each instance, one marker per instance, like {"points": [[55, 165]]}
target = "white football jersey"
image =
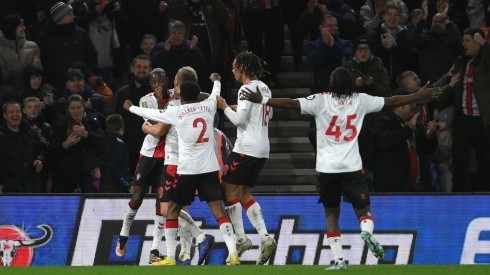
{"points": [[152, 147], [194, 125], [253, 136], [172, 141], [338, 122]]}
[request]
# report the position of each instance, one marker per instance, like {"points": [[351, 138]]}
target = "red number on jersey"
{"points": [[266, 110], [201, 138], [335, 130]]}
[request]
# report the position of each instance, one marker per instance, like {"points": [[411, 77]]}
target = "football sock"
{"points": [[334, 239], [128, 220], [234, 209], [187, 223], [185, 243], [254, 213], [367, 223], [227, 230], [158, 227], [171, 229]]}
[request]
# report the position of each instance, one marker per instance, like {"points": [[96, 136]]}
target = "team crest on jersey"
{"points": [[310, 97], [144, 104]]}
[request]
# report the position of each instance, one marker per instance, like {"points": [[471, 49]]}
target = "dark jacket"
{"points": [[323, 59], [18, 151], [436, 51], [68, 165], [114, 169], [61, 46], [392, 160], [481, 86]]}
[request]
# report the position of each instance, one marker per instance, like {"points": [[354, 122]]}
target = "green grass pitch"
{"points": [[254, 270]]}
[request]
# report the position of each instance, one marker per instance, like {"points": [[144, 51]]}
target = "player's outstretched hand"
{"points": [[255, 97], [221, 102], [127, 104], [215, 76], [428, 92]]}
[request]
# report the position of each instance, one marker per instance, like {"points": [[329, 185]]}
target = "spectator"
{"points": [[138, 87], [61, 35], [211, 22], [391, 42], [371, 13], [22, 152], [36, 119], [471, 101], [370, 77], [264, 32], [74, 148], [437, 47], [177, 52], [145, 17], [114, 169], [15, 51], [402, 149], [148, 41], [443, 156], [33, 79]]}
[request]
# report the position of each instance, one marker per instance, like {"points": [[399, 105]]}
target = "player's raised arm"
{"points": [[284, 103], [216, 79], [152, 114], [425, 92]]}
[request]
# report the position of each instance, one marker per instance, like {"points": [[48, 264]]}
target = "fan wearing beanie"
{"points": [[14, 50], [63, 44]]}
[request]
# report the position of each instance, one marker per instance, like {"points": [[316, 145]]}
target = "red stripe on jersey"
{"points": [[171, 170], [219, 144], [469, 88], [249, 203], [232, 202], [333, 234], [366, 217], [172, 223], [160, 149], [223, 220]]}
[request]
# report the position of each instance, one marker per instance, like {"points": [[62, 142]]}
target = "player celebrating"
{"points": [[339, 114], [249, 154], [197, 165]]}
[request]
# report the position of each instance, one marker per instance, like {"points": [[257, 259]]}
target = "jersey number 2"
{"points": [[201, 138], [335, 130]]}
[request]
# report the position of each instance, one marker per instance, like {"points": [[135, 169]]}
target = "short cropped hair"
{"points": [[30, 99], [189, 91], [114, 123], [186, 74]]}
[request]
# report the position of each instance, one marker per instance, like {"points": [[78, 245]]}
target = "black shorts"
{"points": [[352, 184], [184, 190], [148, 171], [167, 181], [241, 169]]}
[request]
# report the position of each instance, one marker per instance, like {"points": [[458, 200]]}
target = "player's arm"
{"points": [[216, 79], [152, 114], [236, 117], [156, 130], [284, 103], [425, 92]]}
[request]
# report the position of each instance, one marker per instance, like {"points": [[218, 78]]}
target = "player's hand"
{"points": [[255, 97], [127, 104], [233, 107], [38, 164], [215, 77], [221, 102], [428, 92]]}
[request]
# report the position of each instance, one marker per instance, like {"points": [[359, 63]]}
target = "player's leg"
{"points": [[140, 187], [357, 191], [160, 211], [330, 191], [210, 191], [203, 241]]}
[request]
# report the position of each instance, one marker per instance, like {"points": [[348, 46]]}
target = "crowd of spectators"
{"points": [[66, 67]]}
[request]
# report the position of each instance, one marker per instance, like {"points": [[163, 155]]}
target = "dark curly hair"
{"points": [[251, 65]]}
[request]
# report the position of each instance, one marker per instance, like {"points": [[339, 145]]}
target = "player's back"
{"points": [[339, 121], [253, 135], [196, 138]]}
